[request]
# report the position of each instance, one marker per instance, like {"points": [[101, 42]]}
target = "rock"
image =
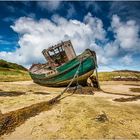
{"points": [[102, 117]]}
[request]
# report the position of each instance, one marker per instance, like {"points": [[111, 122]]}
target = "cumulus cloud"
{"points": [[37, 35], [34, 36], [102, 59], [128, 10], [49, 5], [127, 60], [127, 34]]}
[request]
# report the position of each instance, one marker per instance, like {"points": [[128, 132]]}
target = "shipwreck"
{"points": [[63, 66]]}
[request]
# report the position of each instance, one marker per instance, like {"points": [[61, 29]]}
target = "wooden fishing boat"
{"points": [[62, 65]]}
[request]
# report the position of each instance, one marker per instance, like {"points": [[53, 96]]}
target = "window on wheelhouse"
{"points": [[58, 55]]}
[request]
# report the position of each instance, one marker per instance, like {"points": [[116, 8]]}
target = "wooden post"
{"points": [[96, 73]]}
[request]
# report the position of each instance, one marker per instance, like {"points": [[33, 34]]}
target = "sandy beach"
{"points": [[74, 116]]}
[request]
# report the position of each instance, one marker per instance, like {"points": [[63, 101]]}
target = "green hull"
{"points": [[67, 71]]}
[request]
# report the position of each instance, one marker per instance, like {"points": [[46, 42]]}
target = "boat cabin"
{"points": [[59, 54]]}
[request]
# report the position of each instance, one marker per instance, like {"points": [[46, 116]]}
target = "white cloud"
{"points": [[127, 60], [37, 35], [34, 36], [96, 25], [49, 5], [101, 57], [111, 49], [127, 34]]}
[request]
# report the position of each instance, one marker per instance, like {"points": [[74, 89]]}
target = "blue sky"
{"points": [[112, 29]]}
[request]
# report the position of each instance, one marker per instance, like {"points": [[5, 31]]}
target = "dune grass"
{"points": [[108, 76], [10, 75], [10, 72], [5, 64]]}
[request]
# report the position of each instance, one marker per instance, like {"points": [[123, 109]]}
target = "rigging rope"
{"points": [[74, 77]]}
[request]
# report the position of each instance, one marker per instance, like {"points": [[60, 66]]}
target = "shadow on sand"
{"points": [[11, 93], [122, 99], [135, 98], [42, 93], [114, 93]]}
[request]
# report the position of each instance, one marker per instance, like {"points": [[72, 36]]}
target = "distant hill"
{"points": [[133, 71], [5, 64], [120, 75], [12, 72]]}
